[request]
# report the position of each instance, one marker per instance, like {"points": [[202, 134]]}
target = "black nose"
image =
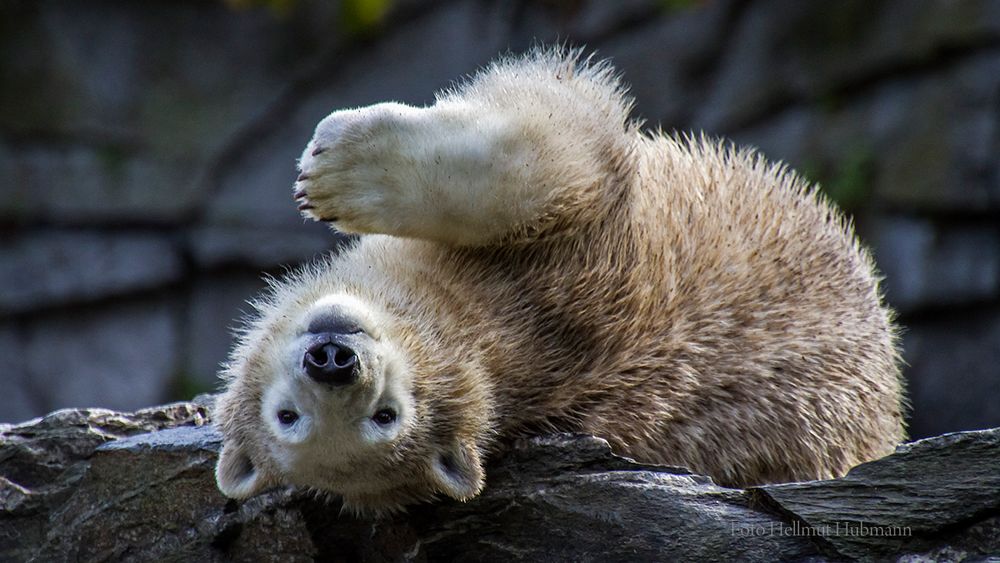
{"points": [[331, 363]]}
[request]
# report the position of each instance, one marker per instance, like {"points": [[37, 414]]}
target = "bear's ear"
{"points": [[458, 471], [235, 473]]}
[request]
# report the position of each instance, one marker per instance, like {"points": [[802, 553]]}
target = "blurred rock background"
{"points": [[147, 153]]}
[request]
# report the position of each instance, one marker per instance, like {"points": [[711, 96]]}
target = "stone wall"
{"points": [[147, 152]]}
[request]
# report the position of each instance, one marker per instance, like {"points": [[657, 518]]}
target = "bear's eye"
{"points": [[384, 416], [287, 417]]}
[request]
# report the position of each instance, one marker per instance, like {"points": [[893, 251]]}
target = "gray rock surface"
{"points": [[906, 499], [213, 311], [93, 183], [42, 270], [90, 485], [259, 246], [941, 162], [122, 356], [44, 460], [817, 50], [17, 402], [669, 90], [927, 266], [954, 383]]}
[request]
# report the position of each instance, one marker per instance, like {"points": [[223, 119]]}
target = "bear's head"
{"points": [[337, 397]]}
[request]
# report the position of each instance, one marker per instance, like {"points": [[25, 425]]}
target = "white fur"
{"points": [[422, 175], [468, 170]]}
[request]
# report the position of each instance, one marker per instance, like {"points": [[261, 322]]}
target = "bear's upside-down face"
{"points": [[333, 408]]}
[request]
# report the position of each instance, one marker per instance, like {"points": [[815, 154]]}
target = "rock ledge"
{"points": [[96, 485]]}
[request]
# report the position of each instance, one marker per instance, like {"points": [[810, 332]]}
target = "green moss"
{"points": [[112, 160], [280, 8], [184, 387], [36, 93], [676, 5], [363, 17], [834, 26], [829, 102], [812, 171], [849, 180], [851, 184]]}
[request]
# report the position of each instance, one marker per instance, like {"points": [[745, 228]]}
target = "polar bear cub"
{"points": [[530, 261]]}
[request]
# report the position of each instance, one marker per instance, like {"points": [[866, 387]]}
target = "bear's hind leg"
{"points": [[522, 141]]}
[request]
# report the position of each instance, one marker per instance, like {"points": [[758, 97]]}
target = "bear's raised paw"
{"points": [[353, 169]]}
